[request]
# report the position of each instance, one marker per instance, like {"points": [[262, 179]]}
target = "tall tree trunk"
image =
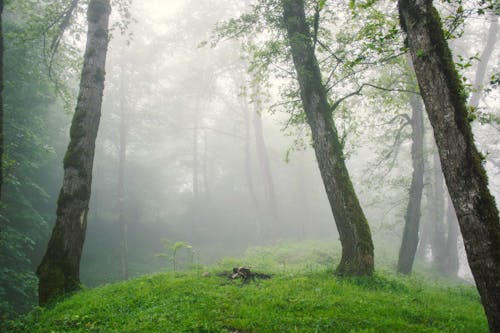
{"points": [[195, 213], [302, 191], [466, 179], [205, 174], [438, 238], [412, 218], [121, 181], [59, 271], [355, 236], [195, 152], [451, 264], [273, 230], [248, 173], [1, 98], [483, 61], [265, 166]]}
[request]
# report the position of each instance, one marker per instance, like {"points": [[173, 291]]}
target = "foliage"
{"points": [[172, 250], [355, 43], [300, 302], [33, 121]]}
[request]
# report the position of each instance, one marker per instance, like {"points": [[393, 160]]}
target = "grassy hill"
{"points": [[308, 300]]}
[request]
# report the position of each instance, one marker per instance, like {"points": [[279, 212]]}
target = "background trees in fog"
{"points": [[192, 146]]}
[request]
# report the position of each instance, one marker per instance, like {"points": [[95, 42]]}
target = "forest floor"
{"points": [[307, 300]]}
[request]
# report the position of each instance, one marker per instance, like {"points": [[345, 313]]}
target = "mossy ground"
{"points": [[293, 300]]}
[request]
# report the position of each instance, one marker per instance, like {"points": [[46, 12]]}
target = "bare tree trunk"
{"points": [[438, 238], [355, 236], [451, 264], [121, 182], [412, 218], [483, 62], [195, 209], [302, 192], [205, 176], [265, 166], [466, 179], [248, 173], [59, 271], [195, 152], [273, 230], [1, 99]]}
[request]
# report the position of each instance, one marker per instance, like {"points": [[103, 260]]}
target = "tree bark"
{"points": [[355, 236], [60, 267], [1, 99], [444, 99], [451, 264], [412, 218], [438, 238]]}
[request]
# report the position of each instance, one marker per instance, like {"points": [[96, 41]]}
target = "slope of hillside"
{"points": [[304, 302]]}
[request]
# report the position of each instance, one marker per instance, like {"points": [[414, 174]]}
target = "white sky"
{"points": [[161, 8]]}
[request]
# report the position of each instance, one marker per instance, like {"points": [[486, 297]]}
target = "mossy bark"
{"points": [[444, 99], [409, 242], [59, 270], [355, 236], [1, 98]]}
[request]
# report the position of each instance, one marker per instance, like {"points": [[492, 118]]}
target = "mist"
{"points": [[206, 155]]}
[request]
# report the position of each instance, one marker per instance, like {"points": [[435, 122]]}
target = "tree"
{"points": [[437, 206], [1, 99], [59, 270], [451, 264], [483, 63], [445, 102], [409, 242], [122, 162], [355, 236]]}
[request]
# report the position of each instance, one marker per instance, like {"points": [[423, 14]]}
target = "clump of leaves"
{"points": [[172, 250]]}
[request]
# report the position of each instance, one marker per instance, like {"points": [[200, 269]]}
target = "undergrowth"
{"points": [[300, 297]]}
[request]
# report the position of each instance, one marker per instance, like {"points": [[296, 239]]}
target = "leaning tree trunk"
{"points": [[483, 61], [355, 236], [467, 182], [412, 218], [60, 267], [1, 98]]}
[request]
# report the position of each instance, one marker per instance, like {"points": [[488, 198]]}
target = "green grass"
{"points": [[293, 300]]}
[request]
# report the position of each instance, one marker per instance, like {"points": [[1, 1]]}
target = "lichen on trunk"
{"points": [[465, 177], [355, 236], [59, 270]]}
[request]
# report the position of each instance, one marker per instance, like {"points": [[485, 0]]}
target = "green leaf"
{"points": [[321, 4]]}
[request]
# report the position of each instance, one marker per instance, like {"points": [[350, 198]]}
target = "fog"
{"points": [[190, 149], [204, 159]]}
